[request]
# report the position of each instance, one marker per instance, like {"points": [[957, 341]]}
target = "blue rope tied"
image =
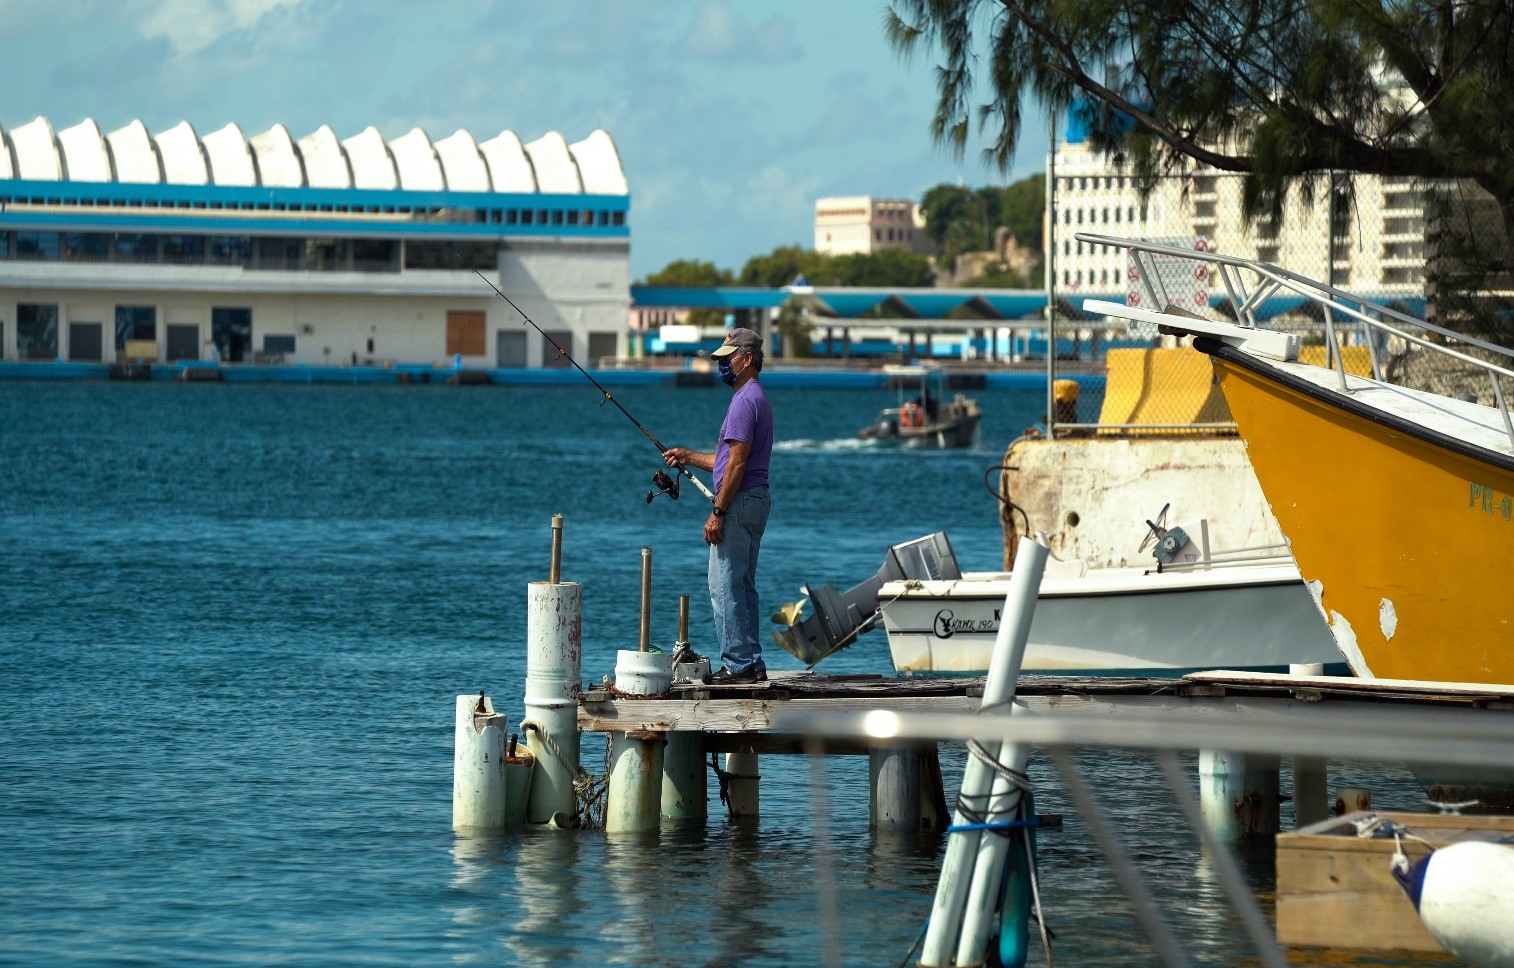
{"points": [[997, 825]]}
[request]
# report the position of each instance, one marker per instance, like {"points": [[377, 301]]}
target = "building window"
{"points": [[86, 246], [37, 245], [230, 250], [37, 331], [135, 323], [136, 248], [184, 249]]}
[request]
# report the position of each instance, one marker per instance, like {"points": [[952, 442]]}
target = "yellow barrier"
{"points": [[1163, 385], [1355, 357]]}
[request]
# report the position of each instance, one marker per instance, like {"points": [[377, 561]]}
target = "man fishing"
{"points": [[739, 515]]}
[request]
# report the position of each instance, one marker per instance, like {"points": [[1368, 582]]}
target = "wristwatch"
{"points": [[718, 511]]}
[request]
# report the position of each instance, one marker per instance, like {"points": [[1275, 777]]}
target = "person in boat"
{"points": [[739, 516]]}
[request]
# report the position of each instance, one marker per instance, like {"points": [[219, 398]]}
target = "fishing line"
{"points": [[661, 480]]}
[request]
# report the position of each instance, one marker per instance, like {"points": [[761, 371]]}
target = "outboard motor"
{"points": [[842, 616]]}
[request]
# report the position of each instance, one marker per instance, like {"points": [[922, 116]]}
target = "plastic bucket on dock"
{"points": [[643, 673]]}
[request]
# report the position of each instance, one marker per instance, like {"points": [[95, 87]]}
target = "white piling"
{"points": [[1311, 799], [685, 784], [634, 799], [896, 789], [743, 784], [953, 928], [554, 643], [478, 765], [1352, 799], [1238, 794]]}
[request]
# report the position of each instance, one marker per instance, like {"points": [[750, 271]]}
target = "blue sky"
{"points": [[731, 118]]}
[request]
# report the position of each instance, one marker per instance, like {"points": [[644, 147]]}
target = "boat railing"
{"points": [[1249, 283]]}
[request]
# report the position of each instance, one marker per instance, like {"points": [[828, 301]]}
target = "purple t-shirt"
{"points": [[749, 419]]}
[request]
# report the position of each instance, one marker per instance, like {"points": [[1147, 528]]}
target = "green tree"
{"points": [[779, 267], [689, 274], [1284, 91], [1021, 209], [692, 274]]}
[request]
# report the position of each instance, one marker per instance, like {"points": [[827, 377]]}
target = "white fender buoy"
{"points": [[1465, 895]]}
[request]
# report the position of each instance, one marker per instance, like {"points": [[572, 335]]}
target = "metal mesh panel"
{"points": [[1433, 252]]}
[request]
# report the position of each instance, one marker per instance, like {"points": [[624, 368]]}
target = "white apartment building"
{"points": [[863, 224], [1372, 245]]}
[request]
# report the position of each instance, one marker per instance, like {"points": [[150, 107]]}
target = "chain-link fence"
{"points": [[1436, 253]]}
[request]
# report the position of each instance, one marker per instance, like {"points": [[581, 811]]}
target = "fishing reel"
{"points": [[664, 484]]}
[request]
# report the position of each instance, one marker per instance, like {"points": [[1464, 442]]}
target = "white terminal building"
{"points": [[863, 224], [316, 250], [1375, 243]]}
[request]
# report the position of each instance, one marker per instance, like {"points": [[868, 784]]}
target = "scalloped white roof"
{"points": [[230, 157], [599, 165], [37, 151], [509, 167], [462, 164], [372, 166], [183, 162], [556, 171], [325, 161], [278, 165], [136, 158], [84, 154], [412, 161], [415, 158]]}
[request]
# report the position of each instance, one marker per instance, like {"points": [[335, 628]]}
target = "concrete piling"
{"points": [[896, 801], [554, 643], [685, 784], [478, 765], [1238, 794], [1311, 781], [742, 788], [636, 758], [635, 794]]}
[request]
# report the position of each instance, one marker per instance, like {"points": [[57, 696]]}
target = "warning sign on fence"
{"points": [[1176, 281]]}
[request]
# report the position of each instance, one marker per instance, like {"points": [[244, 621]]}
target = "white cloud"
{"points": [[717, 33], [193, 25]]}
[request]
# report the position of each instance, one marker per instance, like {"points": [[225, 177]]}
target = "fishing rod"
{"points": [[664, 484]]}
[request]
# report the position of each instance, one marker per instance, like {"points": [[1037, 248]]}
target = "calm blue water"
{"points": [[233, 621]]}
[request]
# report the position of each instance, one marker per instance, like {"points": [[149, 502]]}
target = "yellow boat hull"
{"points": [[1405, 539]]}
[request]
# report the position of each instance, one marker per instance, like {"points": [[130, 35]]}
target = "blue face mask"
{"points": [[727, 373]]}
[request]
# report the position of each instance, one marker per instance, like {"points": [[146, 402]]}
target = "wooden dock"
{"points": [[750, 708], [1334, 887]]}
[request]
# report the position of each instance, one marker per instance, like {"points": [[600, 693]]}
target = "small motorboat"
{"points": [[921, 419]]}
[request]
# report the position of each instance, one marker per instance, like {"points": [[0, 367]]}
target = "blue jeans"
{"points": [[733, 580]]}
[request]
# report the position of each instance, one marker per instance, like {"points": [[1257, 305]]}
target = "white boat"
{"points": [[1192, 609], [1115, 621], [921, 419]]}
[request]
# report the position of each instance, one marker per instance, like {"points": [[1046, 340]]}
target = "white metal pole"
{"points": [[945, 928]]}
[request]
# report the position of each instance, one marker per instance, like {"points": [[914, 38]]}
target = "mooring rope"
{"points": [[589, 791]]}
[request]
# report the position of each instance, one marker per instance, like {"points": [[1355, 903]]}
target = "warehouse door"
{"points": [[86, 341], [465, 334], [550, 355], [231, 329], [183, 341], [511, 349]]}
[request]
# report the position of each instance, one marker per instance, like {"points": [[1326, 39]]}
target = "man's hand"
{"points": [[675, 456], [714, 529]]}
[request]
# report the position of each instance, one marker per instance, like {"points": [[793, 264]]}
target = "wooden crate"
{"points": [[1336, 890]]}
